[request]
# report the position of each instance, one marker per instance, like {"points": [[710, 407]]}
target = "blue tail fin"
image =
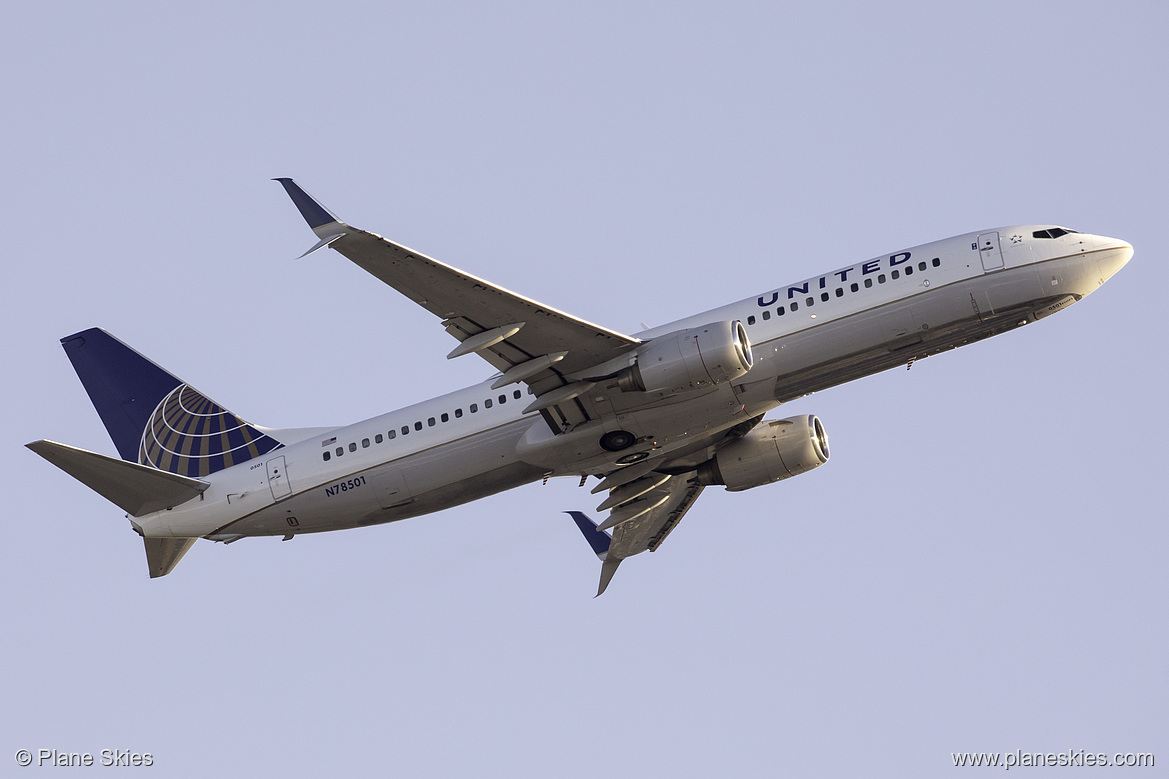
{"points": [[155, 418]]}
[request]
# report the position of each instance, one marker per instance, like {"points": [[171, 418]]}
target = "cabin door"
{"points": [[278, 479], [990, 252]]}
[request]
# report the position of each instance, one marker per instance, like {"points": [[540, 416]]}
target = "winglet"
{"points": [[323, 222], [599, 541], [313, 212]]}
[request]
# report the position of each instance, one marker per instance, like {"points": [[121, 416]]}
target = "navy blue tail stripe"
{"points": [[153, 417], [124, 386]]}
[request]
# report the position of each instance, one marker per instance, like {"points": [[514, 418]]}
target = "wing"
{"points": [[524, 339], [642, 513]]}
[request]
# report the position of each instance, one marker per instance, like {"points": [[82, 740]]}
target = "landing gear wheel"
{"points": [[617, 440]]}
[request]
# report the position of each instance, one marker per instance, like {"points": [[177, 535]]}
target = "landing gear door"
{"points": [[278, 479], [990, 252]]}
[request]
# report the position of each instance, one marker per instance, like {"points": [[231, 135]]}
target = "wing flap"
{"points": [[671, 498], [649, 530]]}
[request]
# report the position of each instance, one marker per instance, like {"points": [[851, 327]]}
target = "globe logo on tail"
{"points": [[192, 435]]}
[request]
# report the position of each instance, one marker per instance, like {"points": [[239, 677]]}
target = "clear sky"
{"points": [[981, 566]]}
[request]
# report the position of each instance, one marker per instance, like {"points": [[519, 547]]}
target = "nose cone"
{"points": [[1115, 255]]}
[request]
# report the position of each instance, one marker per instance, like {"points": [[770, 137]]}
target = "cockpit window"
{"points": [[1054, 232]]}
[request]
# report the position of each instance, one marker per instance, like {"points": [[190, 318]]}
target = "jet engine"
{"points": [[772, 451], [689, 359]]}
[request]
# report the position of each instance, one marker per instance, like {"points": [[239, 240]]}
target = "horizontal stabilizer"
{"points": [[163, 554], [136, 489]]}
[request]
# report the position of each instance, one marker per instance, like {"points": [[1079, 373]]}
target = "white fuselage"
{"points": [[805, 337]]}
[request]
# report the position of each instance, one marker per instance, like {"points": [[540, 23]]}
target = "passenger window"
{"points": [[823, 297], [854, 287], [352, 447], [327, 456], [868, 283], [896, 274], [487, 403], [936, 262], [881, 279], [417, 425], [365, 443], [377, 439], [503, 398], [750, 320], [458, 413], [340, 451], [445, 417], [810, 301], [767, 315], [517, 394], [430, 422], [474, 407], [405, 429], [839, 292], [794, 306], [908, 270], [392, 434], [921, 265]]}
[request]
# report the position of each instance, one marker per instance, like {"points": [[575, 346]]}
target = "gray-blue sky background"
{"points": [[981, 566]]}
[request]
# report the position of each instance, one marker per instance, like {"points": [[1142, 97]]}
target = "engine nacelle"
{"points": [[773, 451], [690, 359]]}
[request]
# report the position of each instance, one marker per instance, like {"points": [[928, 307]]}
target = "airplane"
{"points": [[655, 417]]}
